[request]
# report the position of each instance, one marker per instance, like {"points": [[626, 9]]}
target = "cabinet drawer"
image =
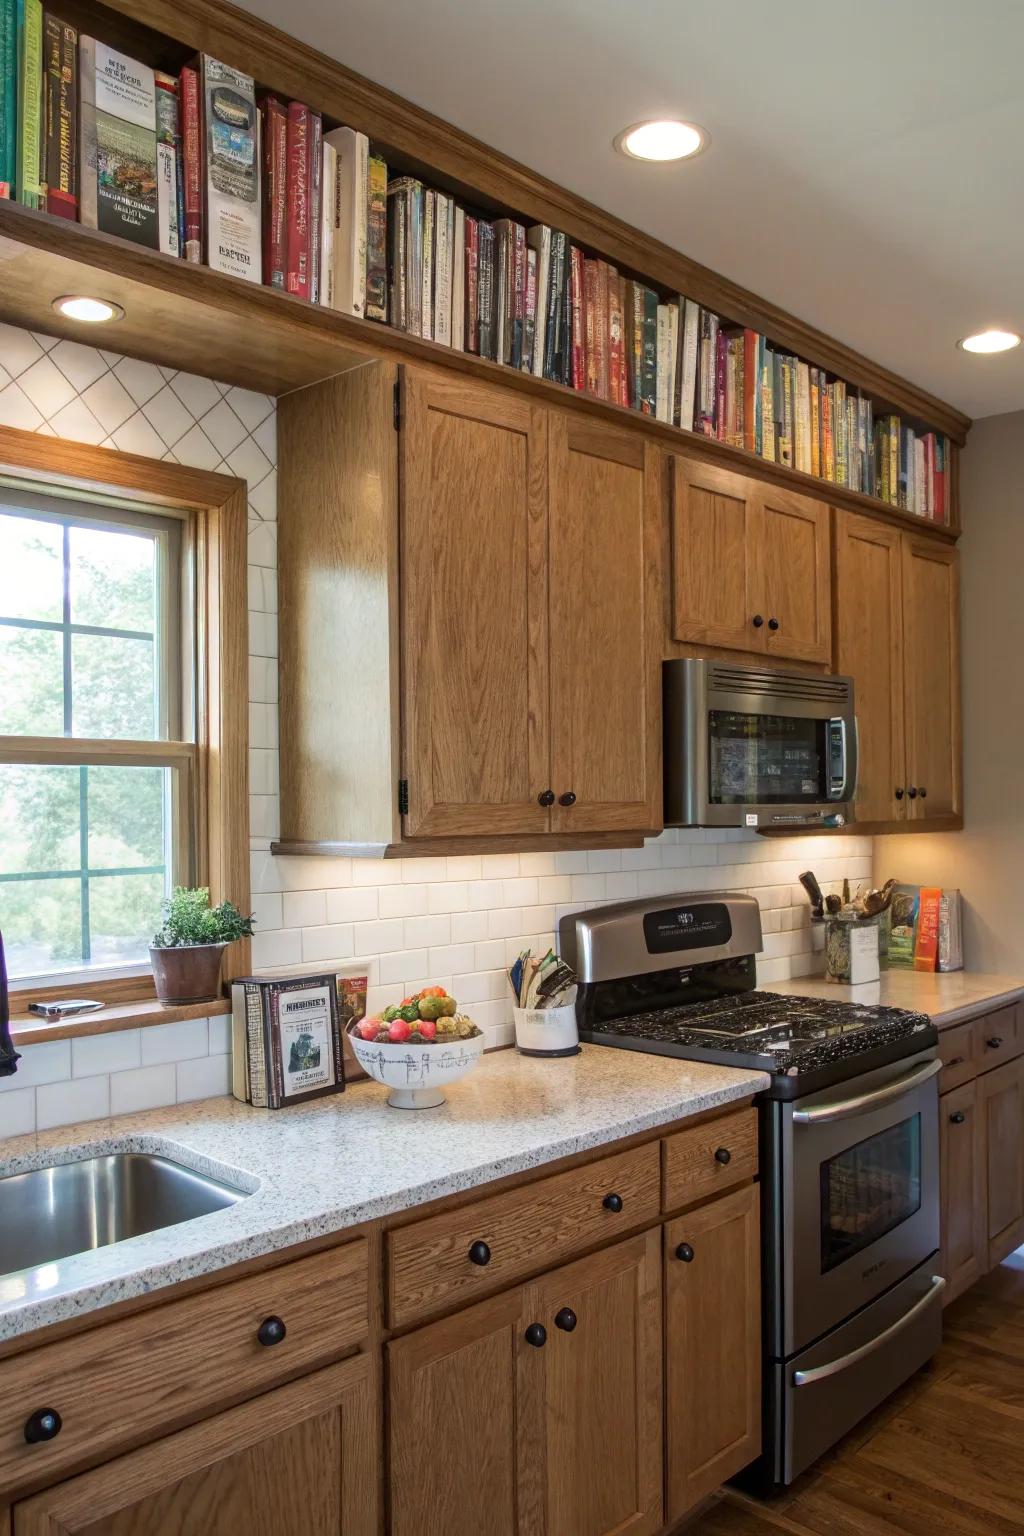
{"points": [[997, 1038], [125, 1382], [517, 1233], [957, 1054], [709, 1158]]}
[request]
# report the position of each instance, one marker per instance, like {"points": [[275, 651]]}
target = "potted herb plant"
{"points": [[188, 952]]}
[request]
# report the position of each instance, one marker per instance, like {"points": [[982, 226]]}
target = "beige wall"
{"points": [[986, 860]]}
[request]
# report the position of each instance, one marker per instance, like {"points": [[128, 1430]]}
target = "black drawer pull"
{"points": [[537, 1335], [479, 1253], [773, 623], [994, 1042], [957, 1117], [723, 1156], [271, 1331], [685, 1252], [957, 1061], [923, 792], [912, 792], [612, 1203], [757, 620], [566, 1319], [898, 793], [546, 797], [44, 1424], [569, 798]]}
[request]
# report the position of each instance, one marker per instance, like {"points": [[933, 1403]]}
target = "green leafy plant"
{"points": [[189, 919]]}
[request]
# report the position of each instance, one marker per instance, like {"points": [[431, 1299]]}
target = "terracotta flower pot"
{"points": [[189, 974]]}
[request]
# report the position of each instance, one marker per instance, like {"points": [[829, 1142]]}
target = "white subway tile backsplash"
{"points": [[174, 1042], [468, 927], [204, 1078], [357, 904], [272, 949], [332, 942], [267, 910], [304, 909], [49, 1062], [18, 1112], [144, 1088], [93, 1054], [83, 1098]]}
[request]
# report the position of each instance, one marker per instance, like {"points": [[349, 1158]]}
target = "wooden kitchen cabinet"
{"points": [[1001, 1099], [298, 1461], [545, 1403], [963, 1181], [897, 634], [712, 1346], [750, 564], [470, 619]]}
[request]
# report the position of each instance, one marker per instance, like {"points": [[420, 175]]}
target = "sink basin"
{"points": [[52, 1213]]}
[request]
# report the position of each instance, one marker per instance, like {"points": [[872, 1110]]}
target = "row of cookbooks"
{"points": [[202, 166]]}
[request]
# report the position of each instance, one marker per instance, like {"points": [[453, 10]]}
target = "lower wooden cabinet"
{"points": [[712, 1346], [537, 1413], [963, 1181], [1002, 1103], [298, 1461]]}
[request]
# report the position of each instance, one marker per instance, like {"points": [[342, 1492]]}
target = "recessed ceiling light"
{"points": [[77, 306], [990, 341], [665, 139]]}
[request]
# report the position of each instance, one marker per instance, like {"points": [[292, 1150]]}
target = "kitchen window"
{"points": [[123, 713]]}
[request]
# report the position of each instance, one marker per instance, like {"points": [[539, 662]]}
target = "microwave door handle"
{"points": [[834, 1367], [845, 1109]]}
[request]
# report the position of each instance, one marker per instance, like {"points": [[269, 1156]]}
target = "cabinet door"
{"points": [[589, 1400], [452, 1423], [606, 623], [868, 602], [962, 1180], [1002, 1103], [712, 1346], [790, 548], [713, 601], [931, 670], [473, 609], [299, 1461]]}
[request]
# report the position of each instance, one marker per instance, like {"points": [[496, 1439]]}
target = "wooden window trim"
{"points": [[216, 508]]}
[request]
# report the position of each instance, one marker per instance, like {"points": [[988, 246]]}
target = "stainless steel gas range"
{"points": [[849, 1150]]}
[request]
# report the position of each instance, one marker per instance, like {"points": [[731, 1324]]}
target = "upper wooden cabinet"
{"points": [[897, 635], [750, 564], [470, 618]]}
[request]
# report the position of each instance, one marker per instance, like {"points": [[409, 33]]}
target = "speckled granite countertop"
{"points": [[340, 1161], [947, 997]]}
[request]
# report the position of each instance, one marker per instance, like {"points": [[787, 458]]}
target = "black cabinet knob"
{"points": [[569, 798], [898, 793], [612, 1203], [685, 1252], [957, 1117], [566, 1319], [271, 1331], [479, 1253], [537, 1335], [773, 623], [923, 792], [757, 621], [546, 797], [956, 1061], [723, 1156], [994, 1042], [44, 1424], [912, 792]]}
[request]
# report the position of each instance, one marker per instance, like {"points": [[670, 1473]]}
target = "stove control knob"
{"points": [[685, 1252], [723, 1156]]}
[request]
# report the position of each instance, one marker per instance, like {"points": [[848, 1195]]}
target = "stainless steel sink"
{"points": [[52, 1213]]}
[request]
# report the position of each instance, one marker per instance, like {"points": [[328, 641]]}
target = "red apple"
{"points": [[427, 1028], [399, 1030], [368, 1028]]}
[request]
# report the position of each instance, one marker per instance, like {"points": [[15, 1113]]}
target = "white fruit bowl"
{"points": [[416, 1073]]}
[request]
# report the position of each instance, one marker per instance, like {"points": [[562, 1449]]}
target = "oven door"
{"points": [[860, 1193]]}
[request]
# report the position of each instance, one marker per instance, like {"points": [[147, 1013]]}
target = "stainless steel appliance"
{"points": [[756, 747], [849, 1150]]}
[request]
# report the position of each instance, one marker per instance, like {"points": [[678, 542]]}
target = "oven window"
{"points": [[765, 759], [868, 1189]]}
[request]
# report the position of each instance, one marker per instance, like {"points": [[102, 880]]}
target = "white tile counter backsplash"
{"points": [[455, 921]]}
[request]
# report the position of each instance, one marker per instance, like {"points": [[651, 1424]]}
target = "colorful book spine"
{"points": [[117, 158], [29, 103], [530, 317], [398, 223], [442, 272], [471, 262], [427, 266], [61, 117], [457, 258], [275, 179], [168, 138], [297, 273], [577, 311], [352, 213], [539, 238], [555, 333], [316, 202], [328, 222], [8, 98], [689, 349], [487, 330], [192, 164], [376, 284], [618, 389], [231, 171]]}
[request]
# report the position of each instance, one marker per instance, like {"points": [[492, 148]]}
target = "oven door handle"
{"points": [[833, 1368], [825, 1114]]}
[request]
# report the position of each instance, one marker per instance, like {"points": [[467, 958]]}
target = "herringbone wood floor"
{"points": [[945, 1455]]}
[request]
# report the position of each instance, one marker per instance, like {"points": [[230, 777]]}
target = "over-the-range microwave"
{"points": [[757, 747]]}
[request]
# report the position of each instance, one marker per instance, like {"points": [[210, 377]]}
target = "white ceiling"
{"points": [[866, 165]]}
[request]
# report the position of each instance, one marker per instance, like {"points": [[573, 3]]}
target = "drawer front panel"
{"points": [[709, 1158], [998, 1037], [517, 1233], [957, 1054], [127, 1381]]}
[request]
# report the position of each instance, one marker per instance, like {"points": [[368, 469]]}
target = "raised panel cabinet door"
{"points": [[473, 497], [868, 638], [713, 601], [589, 1399], [712, 1346], [606, 623], [302, 1460], [1002, 1103], [790, 548], [452, 1424], [931, 670], [963, 1183]]}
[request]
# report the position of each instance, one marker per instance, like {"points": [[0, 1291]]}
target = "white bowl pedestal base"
{"points": [[415, 1098]]}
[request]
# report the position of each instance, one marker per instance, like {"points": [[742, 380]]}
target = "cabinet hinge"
{"points": [[403, 797], [398, 405]]}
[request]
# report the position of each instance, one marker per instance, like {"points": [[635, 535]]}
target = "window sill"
{"points": [[27, 1029]]}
